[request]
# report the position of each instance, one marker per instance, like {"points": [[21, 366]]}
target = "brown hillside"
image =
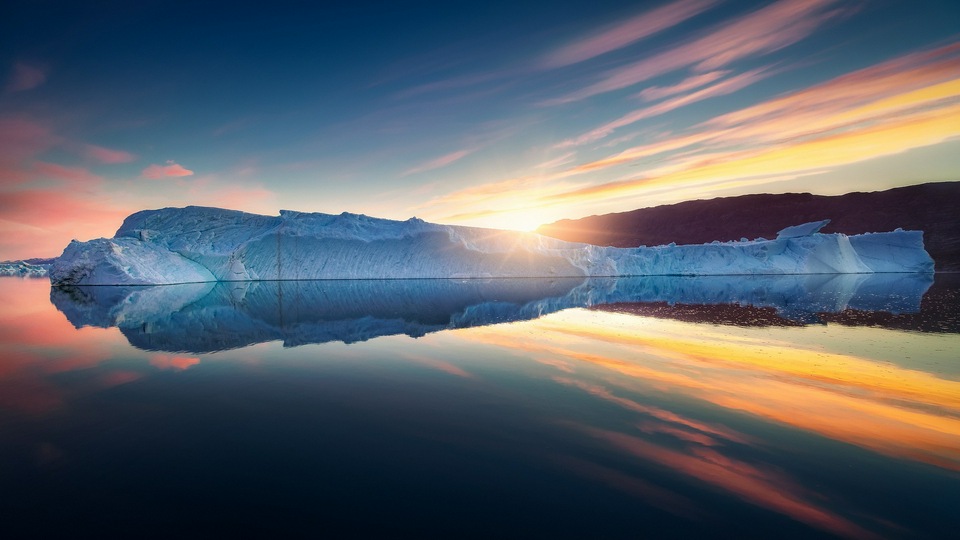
{"points": [[933, 208]]}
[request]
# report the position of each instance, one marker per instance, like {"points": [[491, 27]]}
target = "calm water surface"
{"points": [[668, 407]]}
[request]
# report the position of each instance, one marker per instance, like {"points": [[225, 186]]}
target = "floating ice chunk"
{"points": [[23, 269], [805, 229]]}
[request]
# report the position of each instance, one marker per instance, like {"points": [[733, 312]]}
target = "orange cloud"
{"points": [[759, 486], [171, 169], [886, 136], [40, 222], [908, 102], [169, 361]]}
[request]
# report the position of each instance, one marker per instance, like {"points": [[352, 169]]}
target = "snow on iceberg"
{"points": [[199, 244], [23, 269]]}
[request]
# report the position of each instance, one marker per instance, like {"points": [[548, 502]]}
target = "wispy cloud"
{"points": [[107, 155], [439, 162], [75, 176], [171, 169], [40, 222], [24, 138], [761, 32], [727, 86], [563, 159], [907, 102], [625, 33], [692, 82], [26, 76]]}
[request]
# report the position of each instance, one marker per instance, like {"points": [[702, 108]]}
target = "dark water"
{"points": [[815, 406]]}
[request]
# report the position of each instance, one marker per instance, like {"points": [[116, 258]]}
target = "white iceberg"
{"points": [[199, 244], [23, 269]]}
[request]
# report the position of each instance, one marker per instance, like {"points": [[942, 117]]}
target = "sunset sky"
{"points": [[495, 114]]}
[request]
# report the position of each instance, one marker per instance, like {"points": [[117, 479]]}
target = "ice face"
{"points": [[197, 244]]}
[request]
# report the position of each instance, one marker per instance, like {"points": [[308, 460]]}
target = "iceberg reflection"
{"points": [[205, 317]]}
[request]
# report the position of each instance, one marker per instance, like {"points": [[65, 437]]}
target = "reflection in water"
{"points": [[939, 311], [568, 422], [904, 412], [207, 317]]}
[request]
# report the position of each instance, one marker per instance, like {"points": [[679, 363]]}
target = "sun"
{"points": [[519, 220]]}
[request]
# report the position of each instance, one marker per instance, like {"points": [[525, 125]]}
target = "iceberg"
{"points": [[201, 244], [208, 317], [25, 269]]}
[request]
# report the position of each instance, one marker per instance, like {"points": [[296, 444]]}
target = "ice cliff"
{"points": [[199, 244]]}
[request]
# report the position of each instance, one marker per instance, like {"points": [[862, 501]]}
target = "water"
{"points": [[668, 407]]}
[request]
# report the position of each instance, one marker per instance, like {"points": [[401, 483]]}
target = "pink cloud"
{"points": [[654, 93], [762, 32], [171, 169], [620, 35], [107, 155], [26, 77], [73, 175], [724, 87], [22, 139], [210, 190], [760, 485], [41, 222], [439, 162]]}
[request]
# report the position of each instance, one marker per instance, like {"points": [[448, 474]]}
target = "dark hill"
{"points": [[933, 208]]}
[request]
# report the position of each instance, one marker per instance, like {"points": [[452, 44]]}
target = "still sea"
{"points": [[733, 407]]}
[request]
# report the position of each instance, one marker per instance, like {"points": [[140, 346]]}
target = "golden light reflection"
{"points": [[777, 375]]}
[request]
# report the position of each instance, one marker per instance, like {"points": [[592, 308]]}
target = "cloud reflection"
{"points": [[775, 375]]}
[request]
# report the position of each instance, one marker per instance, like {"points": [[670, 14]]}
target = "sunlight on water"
{"points": [[579, 421]]}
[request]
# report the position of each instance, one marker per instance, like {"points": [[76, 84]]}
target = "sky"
{"points": [[492, 114]]}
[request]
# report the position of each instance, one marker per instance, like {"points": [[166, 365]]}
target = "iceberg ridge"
{"points": [[200, 244]]}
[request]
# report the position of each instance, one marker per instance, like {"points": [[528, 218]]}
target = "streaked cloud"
{"points": [[40, 222], [727, 86], [626, 33], [171, 169], [439, 162], [25, 76], [75, 176], [761, 32], [692, 82], [107, 155], [761, 486], [907, 102]]}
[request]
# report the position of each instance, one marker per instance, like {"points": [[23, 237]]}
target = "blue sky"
{"points": [[500, 114]]}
